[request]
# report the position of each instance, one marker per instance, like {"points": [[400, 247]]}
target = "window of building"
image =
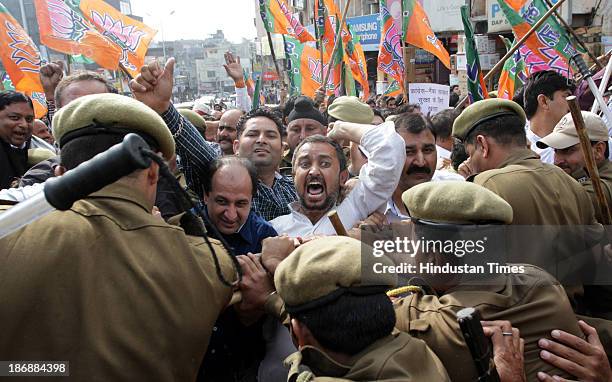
{"points": [[125, 8], [211, 73]]}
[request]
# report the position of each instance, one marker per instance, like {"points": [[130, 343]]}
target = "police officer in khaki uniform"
{"points": [[493, 132], [568, 154], [342, 321], [107, 286], [564, 230], [532, 300]]}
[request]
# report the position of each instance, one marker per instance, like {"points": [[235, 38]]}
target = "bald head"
{"points": [[41, 130], [226, 133]]}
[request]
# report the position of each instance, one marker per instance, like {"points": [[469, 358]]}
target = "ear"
{"points": [[543, 101], [59, 170], [484, 144], [344, 175], [153, 173], [236, 146], [205, 197], [599, 151], [300, 333]]}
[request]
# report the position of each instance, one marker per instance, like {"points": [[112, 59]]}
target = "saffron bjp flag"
{"points": [[20, 57], [248, 82], [390, 57], [304, 68], [277, 18], [535, 63], [514, 73], [417, 31], [67, 31], [550, 41], [132, 36], [477, 90], [40, 103], [355, 59]]}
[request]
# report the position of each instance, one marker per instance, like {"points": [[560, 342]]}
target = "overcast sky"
{"points": [[196, 19]]}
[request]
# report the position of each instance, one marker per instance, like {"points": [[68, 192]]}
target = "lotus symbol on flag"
{"points": [[128, 36], [22, 53], [65, 23]]}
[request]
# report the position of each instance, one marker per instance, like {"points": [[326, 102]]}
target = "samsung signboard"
{"points": [[368, 29]]}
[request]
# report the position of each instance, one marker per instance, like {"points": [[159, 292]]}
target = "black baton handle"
{"points": [[103, 169], [582, 66], [479, 345]]}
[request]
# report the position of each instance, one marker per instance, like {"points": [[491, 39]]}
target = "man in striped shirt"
{"points": [[259, 139]]}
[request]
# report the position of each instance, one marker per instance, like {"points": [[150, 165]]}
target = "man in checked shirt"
{"points": [[259, 139]]}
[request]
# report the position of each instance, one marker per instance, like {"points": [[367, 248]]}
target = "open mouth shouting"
{"points": [[315, 191]]}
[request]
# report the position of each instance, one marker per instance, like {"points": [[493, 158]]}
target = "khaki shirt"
{"points": [[545, 196], [605, 175], [118, 293], [397, 357], [539, 193], [533, 302]]}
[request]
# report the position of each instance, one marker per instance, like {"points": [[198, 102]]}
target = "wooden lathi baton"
{"points": [[337, 223], [591, 166]]}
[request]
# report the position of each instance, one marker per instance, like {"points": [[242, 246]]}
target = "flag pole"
{"points": [[319, 38], [510, 52], [280, 77], [571, 31], [68, 68], [405, 75], [125, 71], [338, 37]]}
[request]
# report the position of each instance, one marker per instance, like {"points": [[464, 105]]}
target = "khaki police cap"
{"points": [[482, 111], [111, 111], [37, 155], [564, 134], [195, 119], [351, 109], [320, 271], [456, 202]]}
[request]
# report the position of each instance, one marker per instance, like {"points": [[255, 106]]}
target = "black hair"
{"points": [[442, 123], [83, 148], [506, 130], [545, 82], [260, 112], [230, 160], [458, 154], [378, 112], [414, 123], [351, 323], [518, 97], [9, 97], [322, 139], [453, 87]]}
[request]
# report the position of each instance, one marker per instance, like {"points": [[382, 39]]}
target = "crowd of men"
{"points": [[255, 281]]}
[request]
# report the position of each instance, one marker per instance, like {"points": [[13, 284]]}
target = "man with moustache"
{"points": [[226, 132], [320, 171], [16, 118], [568, 154], [420, 164], [259, 135]]}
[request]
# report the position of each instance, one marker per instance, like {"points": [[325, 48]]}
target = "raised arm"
{"points": [[153, 87]]}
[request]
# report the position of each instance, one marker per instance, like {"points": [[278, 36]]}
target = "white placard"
{"points": [[431, 97]]}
